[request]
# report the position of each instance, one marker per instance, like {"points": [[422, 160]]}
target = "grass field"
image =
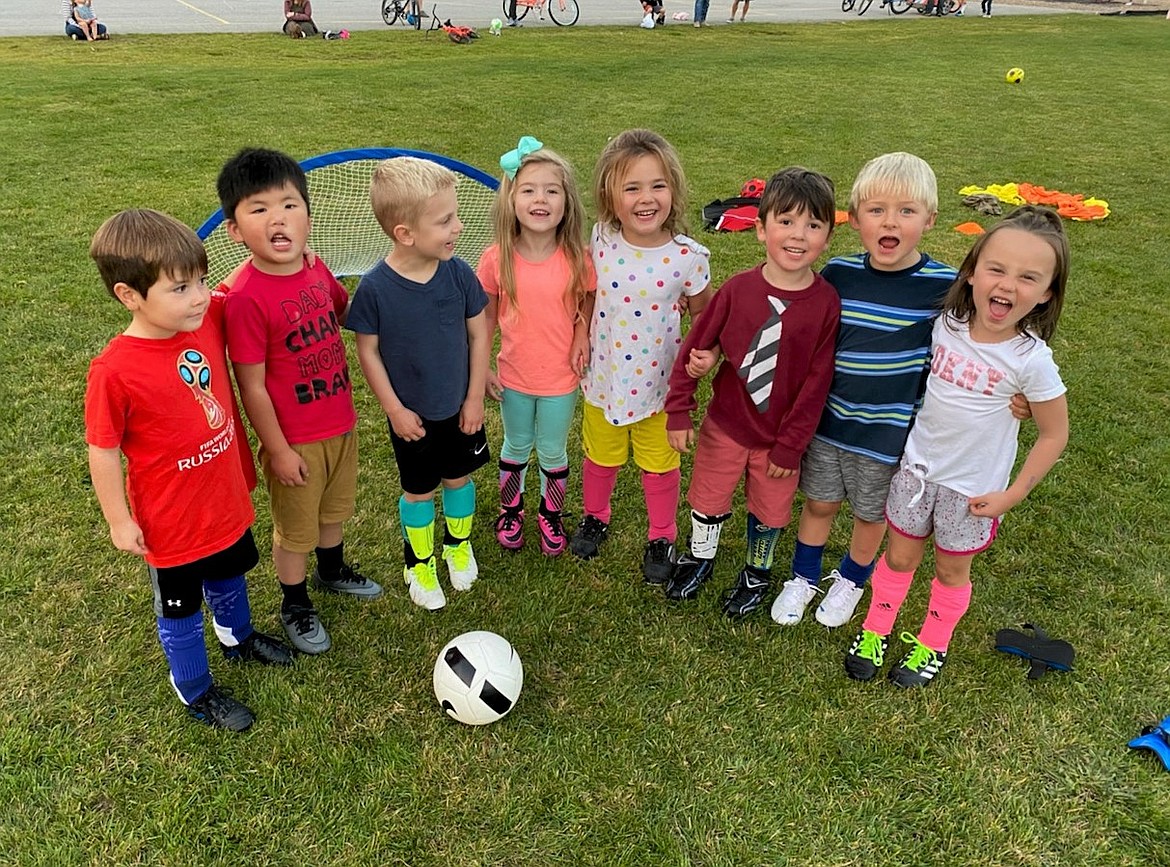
{"points": [[646, 734]]}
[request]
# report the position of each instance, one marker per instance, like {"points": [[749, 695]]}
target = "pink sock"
{"points": [[597, 489], [661, 492], [888, 592], [947, 606]]}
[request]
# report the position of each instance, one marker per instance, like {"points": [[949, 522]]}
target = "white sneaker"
{"points": [[788, 609], [648, 21], [840, 601], [461, 565], [424, 585]]}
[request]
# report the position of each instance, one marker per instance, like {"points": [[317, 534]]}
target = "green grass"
{"points": [[647, 734]]}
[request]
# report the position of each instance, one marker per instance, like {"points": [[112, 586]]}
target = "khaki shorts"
{"points": [[608, 445], [299, 511]]}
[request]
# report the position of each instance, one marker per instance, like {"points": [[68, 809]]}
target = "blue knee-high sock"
{"points": [[854, 571], [182, 644], [231, 615], [807, 561], [761, 543]]}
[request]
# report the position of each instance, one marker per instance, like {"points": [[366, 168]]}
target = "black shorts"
{"points": [[444, 453], [178, 590]]}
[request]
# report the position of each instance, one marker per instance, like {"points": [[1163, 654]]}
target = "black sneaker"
{"points": [[751, 586], [919, 666], [217, 708], [587, 538], [865, 655], [260, 648], [658, 561], [688, 576], [348, 581]]}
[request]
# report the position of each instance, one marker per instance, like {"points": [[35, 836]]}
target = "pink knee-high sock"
{"points": [[661, 493], [888, 592], [597, 484], [947, 606]]}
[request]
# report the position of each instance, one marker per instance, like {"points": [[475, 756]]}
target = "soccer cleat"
{"points": [[553, 538], [919, 666], [587, 538], [424, 585], [865, 655], [658, 561], [840, 601], [689, 574], [260, 648], [788, 609], [217, 708], [751, 586], [510, 528], [348, 581], [461, 565], [305, 630]]}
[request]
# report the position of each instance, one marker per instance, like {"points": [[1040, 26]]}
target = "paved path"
{"points": [[43, 17]]}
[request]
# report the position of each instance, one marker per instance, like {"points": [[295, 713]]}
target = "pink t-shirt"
{"points": [[536, 334], [292, 325]]}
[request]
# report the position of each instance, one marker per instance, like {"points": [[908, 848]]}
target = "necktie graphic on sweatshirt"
{"points": [[759, 362]]}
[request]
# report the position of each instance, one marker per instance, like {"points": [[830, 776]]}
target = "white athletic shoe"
{"points": [[840, 601], [788, 609], [424, 585], [461, 565]]}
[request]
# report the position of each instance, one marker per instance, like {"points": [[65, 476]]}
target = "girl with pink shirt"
{"points": [[539, 279]]}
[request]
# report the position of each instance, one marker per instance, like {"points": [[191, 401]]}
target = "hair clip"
{"points": [[510, 162]]}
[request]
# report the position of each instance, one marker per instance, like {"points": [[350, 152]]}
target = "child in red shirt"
{"points": [[159, 395]]}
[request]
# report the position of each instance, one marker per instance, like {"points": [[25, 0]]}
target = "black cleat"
{"points": [[217, 708], [260, 648], [688, 576], [587, 538], [751, 586], [658, 561]]}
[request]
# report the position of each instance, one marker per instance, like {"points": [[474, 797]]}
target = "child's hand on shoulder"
{"points": [[700, 362], [407, 425], [775, 472], [681, 440], [127, 536], [290, 469], [471, 415]]}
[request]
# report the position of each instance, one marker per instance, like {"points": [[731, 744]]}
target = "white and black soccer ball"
{"points": [[478, 677]]}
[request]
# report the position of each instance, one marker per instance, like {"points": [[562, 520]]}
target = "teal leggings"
{"points": [[537, 421]]}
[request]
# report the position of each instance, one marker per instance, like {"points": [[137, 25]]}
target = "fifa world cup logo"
{"points": [[196, 372]]}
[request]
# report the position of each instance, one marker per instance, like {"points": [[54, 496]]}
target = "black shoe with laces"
{"points": [[751, 586], [217, 708], [260, 648], [658, 561], [348, 581], [688, 575], [587, 538]]}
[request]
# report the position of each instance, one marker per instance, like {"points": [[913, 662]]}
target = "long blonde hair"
{"points": [[570, 231], [616, 158]]}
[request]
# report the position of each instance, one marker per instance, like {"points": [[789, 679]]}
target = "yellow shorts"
{"points": [[299, 511], [608, 445]]}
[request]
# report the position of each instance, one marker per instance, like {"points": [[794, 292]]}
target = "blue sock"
{"points": [[182, 644], [806, 562], [761, 543], [231, 615], [855, 572]]}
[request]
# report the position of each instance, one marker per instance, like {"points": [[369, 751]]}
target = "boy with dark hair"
{"points": [[424, 347], [776, 326], [284, 319], [159, 394]]}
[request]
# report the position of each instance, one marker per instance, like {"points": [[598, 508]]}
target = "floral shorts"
{"points": [[917, 509]]}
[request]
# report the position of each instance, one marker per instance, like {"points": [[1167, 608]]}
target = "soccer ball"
{"points": [[478, 677], [1014, 75], [496, 26]]}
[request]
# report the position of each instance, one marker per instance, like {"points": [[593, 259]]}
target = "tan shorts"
{"points": [[299, 511]]}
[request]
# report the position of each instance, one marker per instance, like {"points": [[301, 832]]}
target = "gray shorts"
{"points": [[830, 474], [917, 508]]}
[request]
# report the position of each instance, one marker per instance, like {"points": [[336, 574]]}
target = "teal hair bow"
{"points": [[510, 162]]}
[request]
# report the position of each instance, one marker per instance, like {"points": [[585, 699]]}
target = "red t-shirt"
{"points": [[292, 325], [169, 406]]}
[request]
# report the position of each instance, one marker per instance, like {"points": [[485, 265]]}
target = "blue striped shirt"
{"points": [[883, 352]]}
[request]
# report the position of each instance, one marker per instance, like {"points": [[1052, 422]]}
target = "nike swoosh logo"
{"points": [[754, 583], [479, 451]]}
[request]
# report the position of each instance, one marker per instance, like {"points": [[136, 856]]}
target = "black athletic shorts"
{"points": [[444, 453]]}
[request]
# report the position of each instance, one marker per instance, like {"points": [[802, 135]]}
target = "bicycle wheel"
{"points": [[847, 5], [865, 4], [899, 6], [389, 11], [564, 13], [521, 10]]}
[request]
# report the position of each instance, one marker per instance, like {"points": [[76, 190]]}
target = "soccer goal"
{"points": [[345, 234]]}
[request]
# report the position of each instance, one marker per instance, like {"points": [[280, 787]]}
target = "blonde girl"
{"points": [[540, 283], [648, 271], [953, 484]]}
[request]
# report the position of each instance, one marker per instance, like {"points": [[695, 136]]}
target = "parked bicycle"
{"points": [[897, 7], [564, 13], [409, 12]]}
